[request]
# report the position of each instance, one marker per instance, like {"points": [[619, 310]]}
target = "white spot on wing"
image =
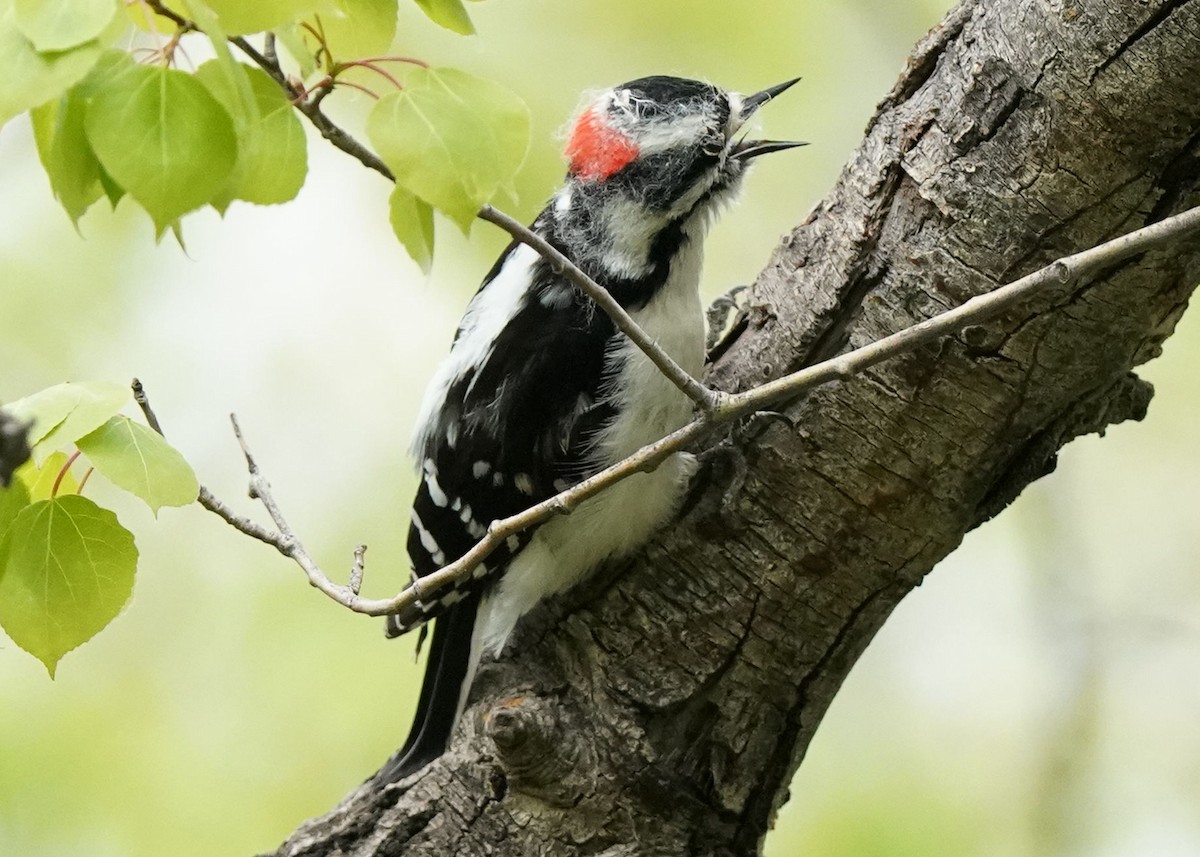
{"points": [[480, 469], [431, 482], [427, 540], [524, 483]]}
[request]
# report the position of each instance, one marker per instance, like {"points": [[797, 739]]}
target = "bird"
{"points": [[541, 390]]}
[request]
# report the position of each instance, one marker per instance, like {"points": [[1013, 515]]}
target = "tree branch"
{"points": [[664, 705], [716, 408], [977, 310]]}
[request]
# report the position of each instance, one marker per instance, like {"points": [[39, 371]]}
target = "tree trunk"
{"points": [[664, 707]]}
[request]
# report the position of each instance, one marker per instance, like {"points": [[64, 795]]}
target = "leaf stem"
{"points": [[63, 472]]}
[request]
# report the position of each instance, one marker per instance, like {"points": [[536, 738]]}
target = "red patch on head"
{"points": [[596, 150]]}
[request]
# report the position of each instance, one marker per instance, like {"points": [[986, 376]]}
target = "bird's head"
{"points": [[669, 143]]}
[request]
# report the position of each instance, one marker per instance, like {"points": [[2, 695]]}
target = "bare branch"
{"points": [[978, 309], [289, 544], [139, 396], [716, 407], [840, 368], [205, 497]]}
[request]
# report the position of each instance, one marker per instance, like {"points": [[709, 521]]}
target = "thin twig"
{"points": [[716, 407], [139, 396], [284, 540], [311, 109], [704, 397], [842, 367], [205, 497]]}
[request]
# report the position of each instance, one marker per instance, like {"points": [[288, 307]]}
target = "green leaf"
{"points": [[450, 14], [48, 479], [66, 570], [55, 25], [136, 458], [360, 28], [236, 80], [272, 153], [239, 17], [31, 78], [451, 138], [112, 190], [66, 412], [165, 140], [111, 65], [66, 154], [13, 499], [412, 221], [296, 41]]}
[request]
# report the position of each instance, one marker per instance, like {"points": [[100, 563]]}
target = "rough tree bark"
{"points": [[664, 707]]}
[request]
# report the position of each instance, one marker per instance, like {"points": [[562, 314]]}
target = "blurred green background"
{"points": [[1037, 696]]}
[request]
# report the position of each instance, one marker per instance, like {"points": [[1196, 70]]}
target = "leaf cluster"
{"points": [[66, 564], [141, 123], [120, 112]]}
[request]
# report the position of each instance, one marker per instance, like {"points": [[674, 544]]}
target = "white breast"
{"points": [[620, 519]]}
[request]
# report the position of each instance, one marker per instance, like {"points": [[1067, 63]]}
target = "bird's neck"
{"points": [[612, 236]]}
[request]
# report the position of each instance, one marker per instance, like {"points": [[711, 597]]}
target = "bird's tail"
{"points": [[453, 657]]}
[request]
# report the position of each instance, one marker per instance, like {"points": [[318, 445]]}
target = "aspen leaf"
{"points": [[450, 138], [137, 458], [272, 156], [42, 481], [13, 499], [30, 77], [164, 139], [450, 14], [360, 28], [66, 570], [56, 25], [239, 17], [66, 412], [65, 153], [297, 42], [412, 221]]}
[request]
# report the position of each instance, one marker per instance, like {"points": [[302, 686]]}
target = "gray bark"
{"points": [[664, 707]]}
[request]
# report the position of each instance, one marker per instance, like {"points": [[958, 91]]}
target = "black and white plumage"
{"points": [[540, 390]]}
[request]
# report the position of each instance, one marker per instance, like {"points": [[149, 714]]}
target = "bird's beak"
{"points": [[746, 149], [752, 102]]}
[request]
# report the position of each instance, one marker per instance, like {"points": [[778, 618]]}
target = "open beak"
{"points": [[752, 102], [746, 149]]}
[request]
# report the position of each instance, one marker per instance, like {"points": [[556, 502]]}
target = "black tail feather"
{"points": [[441, 689]]}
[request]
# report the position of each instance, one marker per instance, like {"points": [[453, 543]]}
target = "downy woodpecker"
{"points": [[540, 390]]}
